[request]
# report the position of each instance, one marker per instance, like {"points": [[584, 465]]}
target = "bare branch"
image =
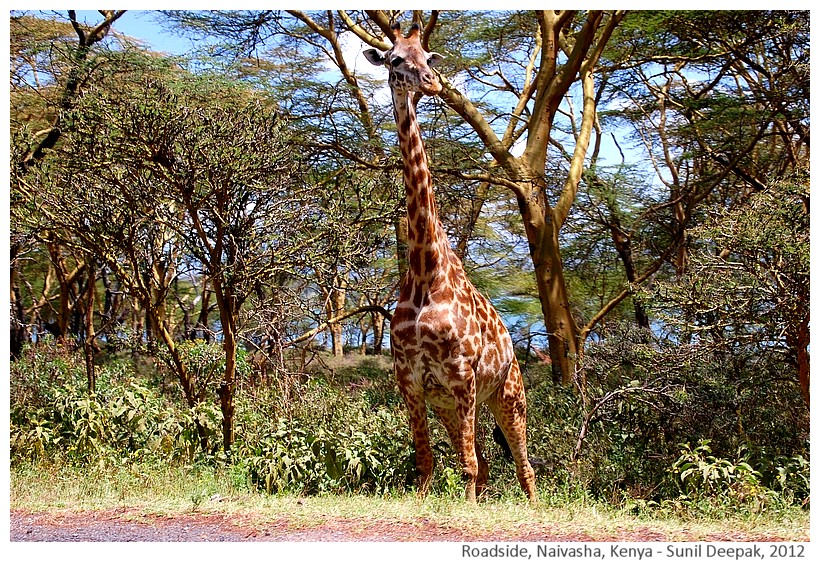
{"points": [[323, 325]]}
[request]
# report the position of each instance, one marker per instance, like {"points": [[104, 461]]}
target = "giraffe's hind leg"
{"points": [[483, 467], [509, 406]]}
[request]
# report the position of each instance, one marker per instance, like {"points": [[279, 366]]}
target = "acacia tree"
{"points": [[717, 108], [338, 126], [246, 216], [722, 112], [84, 196], [51, 61], [759, 280], [80, 65], [241, 208], [179, 166]]}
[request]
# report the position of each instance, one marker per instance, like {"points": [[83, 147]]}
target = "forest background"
{"points": [[205, 248]]}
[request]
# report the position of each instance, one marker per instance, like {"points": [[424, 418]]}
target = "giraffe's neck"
{"points": [[427, 242]]}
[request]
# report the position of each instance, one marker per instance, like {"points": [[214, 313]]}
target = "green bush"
{"points": [[312, 460], [703, 475], [313, 438], [662, 393], [342, 428], [51, 410]]}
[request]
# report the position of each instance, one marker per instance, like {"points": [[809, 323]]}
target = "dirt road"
{"points": [[124, 525]]}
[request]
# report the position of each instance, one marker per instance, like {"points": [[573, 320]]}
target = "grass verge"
{"points": [[167, 491]]}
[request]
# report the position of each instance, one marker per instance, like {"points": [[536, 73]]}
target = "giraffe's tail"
{"points": [[498, 437]]}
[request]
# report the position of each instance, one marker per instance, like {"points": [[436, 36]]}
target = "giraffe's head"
{"points": [[409, 65]]}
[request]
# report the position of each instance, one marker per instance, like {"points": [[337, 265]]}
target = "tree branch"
{"points": [[585, 331], [465, 108], [381, 19], [362, 33], [311, 333]]}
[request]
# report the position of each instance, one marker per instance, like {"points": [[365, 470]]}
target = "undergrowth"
{"points": [[340, 429]]}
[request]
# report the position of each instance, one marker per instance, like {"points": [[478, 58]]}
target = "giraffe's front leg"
{"points": [[421, 443], [465, 399], [417, 411]]}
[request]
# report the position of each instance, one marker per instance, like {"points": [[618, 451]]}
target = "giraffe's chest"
{"points": [[435, 320], [440, 343]]}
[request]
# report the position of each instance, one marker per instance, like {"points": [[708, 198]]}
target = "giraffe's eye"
{"points": [[396, 61]]}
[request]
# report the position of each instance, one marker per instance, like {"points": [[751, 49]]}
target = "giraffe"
{"points": [[450, 348]]}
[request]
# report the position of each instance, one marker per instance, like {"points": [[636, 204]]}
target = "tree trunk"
{"points": [[228, 387], [158, 293], [542, 235], [363, 329], [137, 321], [202, 319], [18, 333], [623, 245], [378, 332], [64, 307], [798, 340], [90, 336], [562, 331], [112, 302], [228, 317], [681, 220], [336, 328], [185, 380], [335, 308]]}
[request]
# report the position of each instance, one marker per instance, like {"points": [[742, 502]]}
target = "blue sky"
{"points": [[139, 24]]}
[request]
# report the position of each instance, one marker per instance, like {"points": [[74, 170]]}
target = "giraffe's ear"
{"points": [[374, 56], [434, 59]]}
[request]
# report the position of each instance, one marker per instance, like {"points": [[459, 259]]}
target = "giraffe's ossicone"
{"points": [[450, 348]]}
